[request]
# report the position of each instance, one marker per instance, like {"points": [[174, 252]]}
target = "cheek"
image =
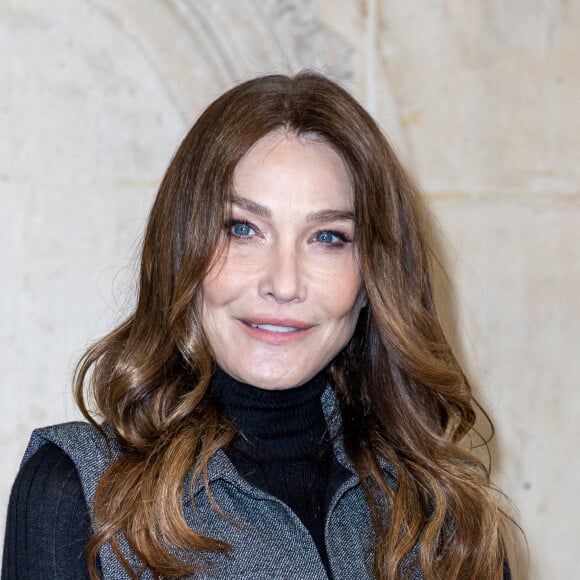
{"points": [[222, 285], [231, 276], [341, 290], [212, 293], [216, 293]]}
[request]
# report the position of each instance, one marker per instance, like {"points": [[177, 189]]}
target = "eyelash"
{"points": [[230, 224], [344, 239]]}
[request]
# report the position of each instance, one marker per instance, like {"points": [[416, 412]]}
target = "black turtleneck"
{"points": [[283, 446]]}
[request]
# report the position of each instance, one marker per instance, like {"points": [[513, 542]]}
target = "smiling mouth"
{"points": [[274, 328], [277, 332]]}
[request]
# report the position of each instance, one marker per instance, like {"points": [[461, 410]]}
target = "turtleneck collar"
{"points": [[274, 425]]}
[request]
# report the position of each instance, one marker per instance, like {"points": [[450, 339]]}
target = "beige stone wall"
{"points": [[481, 99]]}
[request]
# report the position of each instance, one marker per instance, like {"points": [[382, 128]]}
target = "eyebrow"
{"points": [[254, 207], [324, 215], [330, 215]]}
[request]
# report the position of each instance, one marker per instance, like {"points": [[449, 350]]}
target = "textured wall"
{"points": [[481, 99]]}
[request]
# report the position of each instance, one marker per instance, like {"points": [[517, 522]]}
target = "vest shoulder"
{"points": [[90, 450], [74, 438]]}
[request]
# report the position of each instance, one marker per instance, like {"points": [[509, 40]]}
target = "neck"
{"points": [[277, 425]]}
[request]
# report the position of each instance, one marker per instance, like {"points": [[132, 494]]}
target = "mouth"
{"points": [[276, 331], [274, 327]]}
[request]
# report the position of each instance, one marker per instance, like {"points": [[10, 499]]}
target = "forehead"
{"points": [[298, 169]]}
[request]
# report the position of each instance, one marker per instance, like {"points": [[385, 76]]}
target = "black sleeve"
{"points": [[48, 523]]}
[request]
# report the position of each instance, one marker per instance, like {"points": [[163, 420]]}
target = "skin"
{"points": [[290, 264]]}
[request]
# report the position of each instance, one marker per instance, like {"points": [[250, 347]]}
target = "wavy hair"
{"points": [[402, 393]]}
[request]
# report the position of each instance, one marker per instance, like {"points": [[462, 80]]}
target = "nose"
{"points": [[283, 278]]}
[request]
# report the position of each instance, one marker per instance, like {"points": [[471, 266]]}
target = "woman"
{"points": [[283, 402]]}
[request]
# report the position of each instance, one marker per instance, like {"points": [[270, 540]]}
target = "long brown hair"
{"points": [[402, 393]]}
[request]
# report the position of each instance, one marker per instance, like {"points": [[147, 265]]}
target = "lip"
{"points": [[271, 336]]}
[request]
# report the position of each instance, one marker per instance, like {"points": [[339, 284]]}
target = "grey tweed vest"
{"points": [[268, 540]]}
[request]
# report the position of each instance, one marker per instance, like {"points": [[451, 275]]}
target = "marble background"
{"points": [[480, 98]]}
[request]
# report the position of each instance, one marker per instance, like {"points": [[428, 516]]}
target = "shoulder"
{"points": [[76, 437], [48, 523], [49, 460], [81, 445], [47, 477]]}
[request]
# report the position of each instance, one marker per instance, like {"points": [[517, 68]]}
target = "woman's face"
{"points": [[285, 296]]}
